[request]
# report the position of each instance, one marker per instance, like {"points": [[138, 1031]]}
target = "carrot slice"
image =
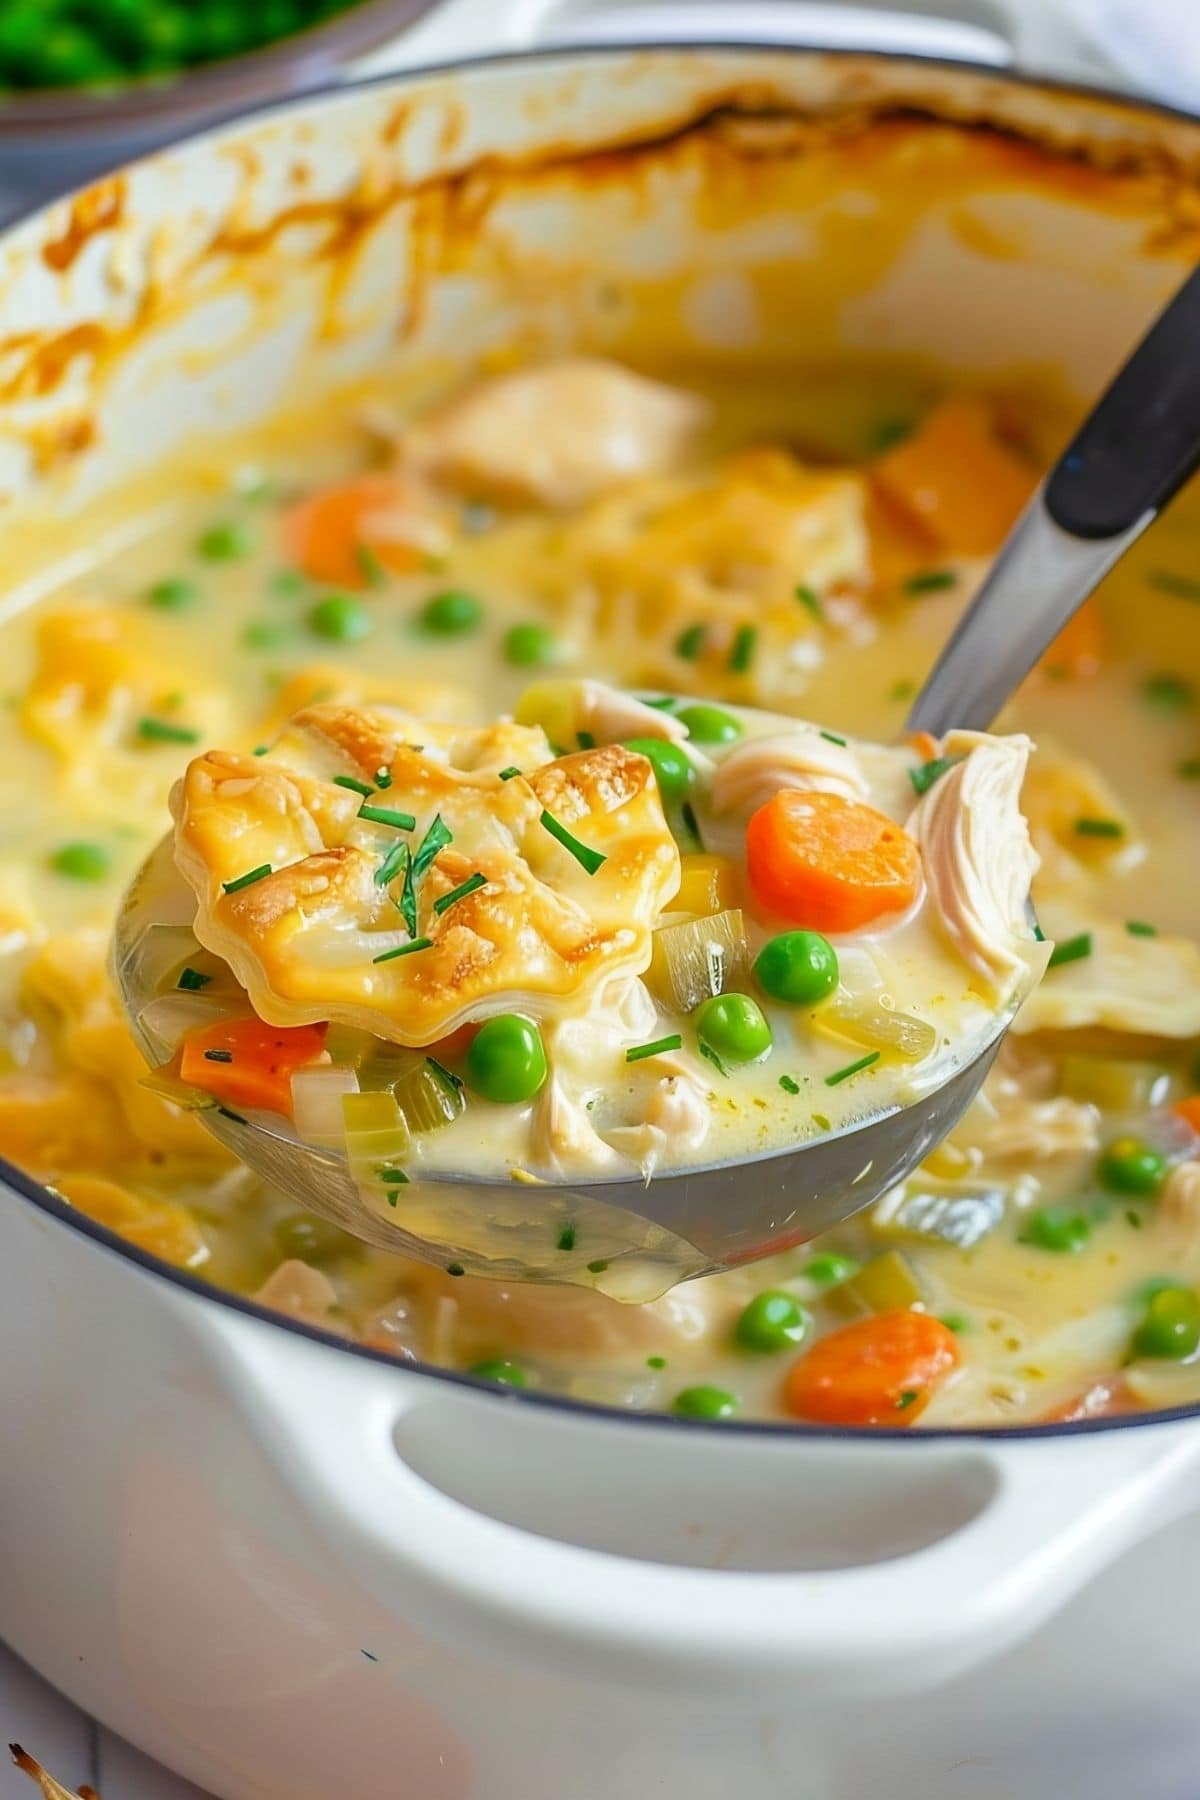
{"points": [[244, 1062], [830, 864], [878, 1371], [1188, 1109], [953, 477], [1078, 650], [334, 533]]}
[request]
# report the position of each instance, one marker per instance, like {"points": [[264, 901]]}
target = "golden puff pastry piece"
{"points": [[305, 939]]}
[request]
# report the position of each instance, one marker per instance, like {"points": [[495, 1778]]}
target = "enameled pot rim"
{"points": [[64, 1214]]}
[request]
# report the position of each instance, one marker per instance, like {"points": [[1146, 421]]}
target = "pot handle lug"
{"points": [[514, 1579]]}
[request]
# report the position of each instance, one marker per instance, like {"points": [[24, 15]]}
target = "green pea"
{"points": [[228, 541], [507, 1059], [1130, 1166], [529, 646], [711, 724], [733, 1025], [1057, 1228], [799, 967], [672, 770], [772, 1321], [313, 1240], [341, 618], [1170, 1325], [498, 1368], [174, 594], [828, 1269], [82, 862], [451, 614], [705, 1402]]}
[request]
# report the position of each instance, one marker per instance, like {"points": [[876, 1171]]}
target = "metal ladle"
{"points": [[632, 1238]]}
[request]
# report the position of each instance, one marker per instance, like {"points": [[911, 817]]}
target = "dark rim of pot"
{"points": [[58, 1209]]}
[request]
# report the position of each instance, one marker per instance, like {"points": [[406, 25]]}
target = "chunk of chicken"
{"points": [[557, 435], [978, 859], [1131, 984], [756, 769], [565, 709], [300, 1291]]}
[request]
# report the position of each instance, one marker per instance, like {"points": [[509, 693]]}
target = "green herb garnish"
{"points": [[789, 1084], [710, 1055], [372, 570], [1180, 587], [507, 774], [810, 601], [598, 1267], [1099, 828], [288, 583], [907, 1397], [386, 815], [657, 1048], [854, 1068], [930, 581], [1071, 950], [397, 858], [586, 740], [173, 594], [158, 731], [82, 861], [587, 858], [221, 1056], [1039, 936], [831, 737], [191, 980], [690, 642], [902, 690], [1139, 928], [226, 542], [470, 886], [260, 749], [656, 1362], [403, 950], [1189, 769], [1170, 693], [383, 777], [566, 1236], [434, 841], [924, 776], [354, 784], [246, 880], [742, 653]]}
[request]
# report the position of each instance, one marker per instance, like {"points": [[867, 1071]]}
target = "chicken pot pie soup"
{"points": [[532, 812]]}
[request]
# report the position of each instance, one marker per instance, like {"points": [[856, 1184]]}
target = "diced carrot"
{"points": [[244, 1062], [956, 479], [1188, 1109], [830, 864], [1078, 650], [924, 743], [1107, 1399], [878, 1371], [331, 532]]}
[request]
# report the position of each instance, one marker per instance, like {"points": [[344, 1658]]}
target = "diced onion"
{"points": [[317, 1096], [962, 1218], [888, 1283], [377, 1137], [698, 958], [875, 1027], [427, 1099]]}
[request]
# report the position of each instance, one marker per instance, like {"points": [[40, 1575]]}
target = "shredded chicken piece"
{"points": [[1037, 1131], [978, 859], [300, 1291], [559, 435], [1126, 983], [755, 770], [676, 1120]]}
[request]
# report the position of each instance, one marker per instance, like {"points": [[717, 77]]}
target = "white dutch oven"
{"points": [[286, 1567]]}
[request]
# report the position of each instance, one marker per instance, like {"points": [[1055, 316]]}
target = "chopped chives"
{"points": [[507, 774], [260, 749], [1189, 769], [1139, 928], [690, 642], [598, 1267], [397, 858], [742, 653], [854, 1068], [930, 581], [1038, 933], [354, 784], [287, 583], [246, 880], [386, 815], [810, 601], [403, 950], [656, 1362], [587, 858], [1099, 828], [789, 1084], [407, 902], [586, 740], [372, 570], [710, 1055], [657, 1048], [927, 773], [446, 1076], [173, 594], [902, 690], [831, 737], [434, 841], [1171, 693], [191, 980], [158, 731], [1180, 587], [222, 1056], [383, 777], [455, 1268], [82, 861], [225, 542], [664, 703], [470, 886], [390, 1176], [1071, 950], [228, 1113], [566, 1236]]}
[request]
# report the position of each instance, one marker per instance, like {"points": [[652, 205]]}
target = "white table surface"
{"points": [[71, 1746]]}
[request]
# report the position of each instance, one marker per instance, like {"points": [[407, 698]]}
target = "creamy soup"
{"points": [[740, 550]]}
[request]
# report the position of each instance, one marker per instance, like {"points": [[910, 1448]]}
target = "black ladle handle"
{"points": [[1134, 451]]}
